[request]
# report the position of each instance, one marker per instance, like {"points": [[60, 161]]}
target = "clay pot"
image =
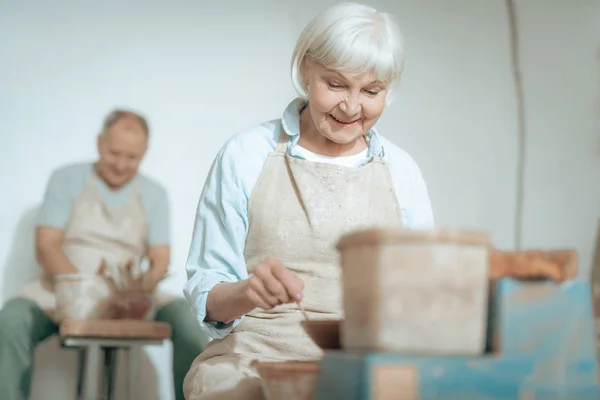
{"points": [[325, 333], [416, 292], [131, 305], [82, 297], [294, 380]]}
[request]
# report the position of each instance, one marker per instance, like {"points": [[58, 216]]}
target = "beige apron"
{"points": [[94, 232], [297, 212]]}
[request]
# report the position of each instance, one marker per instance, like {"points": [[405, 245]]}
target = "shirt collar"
{"points": [[291, 125]]}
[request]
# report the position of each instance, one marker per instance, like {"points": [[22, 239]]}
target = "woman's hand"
{"points": [[270, 285], [273, 284]]}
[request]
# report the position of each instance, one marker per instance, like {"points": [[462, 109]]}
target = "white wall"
{"points": [[203, 70], [562, 89]]}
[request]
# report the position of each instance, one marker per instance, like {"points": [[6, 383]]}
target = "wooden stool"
{"points": [[107, 336]]}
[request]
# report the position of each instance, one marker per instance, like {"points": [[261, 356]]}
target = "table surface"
{"points": [[115, 329]]}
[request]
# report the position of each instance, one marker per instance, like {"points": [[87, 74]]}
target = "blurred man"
{"points": [[94, 214]]}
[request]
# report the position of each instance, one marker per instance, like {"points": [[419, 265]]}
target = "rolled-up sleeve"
{"points": [[420, 212], [217, 249], [410, 188]]}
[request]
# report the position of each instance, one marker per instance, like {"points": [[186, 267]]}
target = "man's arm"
{"points": [[49, 253], [157, 206], [159, 257], [52, 220]]}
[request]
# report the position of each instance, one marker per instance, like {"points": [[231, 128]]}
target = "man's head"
{"points": [[122, 144]]}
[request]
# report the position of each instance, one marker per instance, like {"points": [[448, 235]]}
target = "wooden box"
{"points": [[416, 292]]}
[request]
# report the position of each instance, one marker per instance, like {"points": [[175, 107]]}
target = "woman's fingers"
{"points": [[253, 295], [272, 285], [289, 280], [266, 300]]}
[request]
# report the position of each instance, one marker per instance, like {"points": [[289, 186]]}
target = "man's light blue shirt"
{"points": [[67, 183], [217, 249]]}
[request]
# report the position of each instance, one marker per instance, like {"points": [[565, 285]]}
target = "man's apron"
{"points": [[93, 233], [297, 212]]}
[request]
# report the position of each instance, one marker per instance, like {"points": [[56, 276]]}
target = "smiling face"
{"points": [[343, 107], [121, 151]]}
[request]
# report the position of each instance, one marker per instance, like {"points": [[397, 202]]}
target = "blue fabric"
{"points": [[67, 183], [217, 248]]}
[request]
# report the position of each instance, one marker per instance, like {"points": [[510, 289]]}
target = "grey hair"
{"points": [[116, 115], [351, 38]]}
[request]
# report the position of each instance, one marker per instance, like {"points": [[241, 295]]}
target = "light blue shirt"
{"points": [[217, 249], [66, 184]]}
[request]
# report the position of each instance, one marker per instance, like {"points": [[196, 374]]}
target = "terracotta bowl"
{"points": [[325, 333], [293, 380]]}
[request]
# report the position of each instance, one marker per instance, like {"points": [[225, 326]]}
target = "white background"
{"points": [[203, 70]]}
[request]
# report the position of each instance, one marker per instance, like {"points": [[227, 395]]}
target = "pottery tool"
{"points": [[304, 313]]}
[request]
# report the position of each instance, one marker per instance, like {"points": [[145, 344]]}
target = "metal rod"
{"points": [[521, 133]]}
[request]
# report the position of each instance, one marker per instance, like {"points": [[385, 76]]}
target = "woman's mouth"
{"points": [[344, 123]]}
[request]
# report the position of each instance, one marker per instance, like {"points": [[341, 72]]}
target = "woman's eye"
{"points": [[372, 92], [335, 86]]}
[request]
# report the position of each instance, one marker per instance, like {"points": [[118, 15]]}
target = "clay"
{"points": [[325, 333], [131, 305], [129, 299], [83, 297], [416, 292], [557, 265], [295, 380], [123, 329]]}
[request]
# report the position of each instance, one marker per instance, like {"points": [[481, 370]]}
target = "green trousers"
{"points": [[23, 325]]}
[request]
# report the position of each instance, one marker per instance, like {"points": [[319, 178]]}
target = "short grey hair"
{"points": [[351, 38], [116, 115]]}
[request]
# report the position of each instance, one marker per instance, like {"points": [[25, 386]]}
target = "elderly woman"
{"points": [[279, 196]]}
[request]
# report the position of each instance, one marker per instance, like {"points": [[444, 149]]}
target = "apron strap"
{"points": [[282, 143]]}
